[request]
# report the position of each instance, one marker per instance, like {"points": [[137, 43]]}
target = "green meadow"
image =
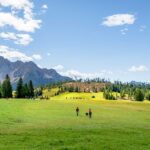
{"points": [[53, 125]]}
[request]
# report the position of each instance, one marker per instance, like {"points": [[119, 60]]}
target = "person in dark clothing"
{"points": [[90, 113], [86, 113], [77, 111]]}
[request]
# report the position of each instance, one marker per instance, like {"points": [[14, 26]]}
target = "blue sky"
{"points": [[107, 38]]}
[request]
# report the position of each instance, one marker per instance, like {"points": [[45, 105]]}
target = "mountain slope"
{"points": [[29, 71]]}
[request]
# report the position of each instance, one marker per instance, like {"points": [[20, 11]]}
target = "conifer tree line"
{"points": [[130, 91], [22, 90], [117, 90]]}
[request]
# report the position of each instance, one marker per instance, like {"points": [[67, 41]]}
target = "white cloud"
{"points": [[119, 20], [124, 31], [75, 74], [20, 4], [13, 55], [19, 24], [142, 28], [21, 39], [58, 67], [19, 16], [79, 75], [44, 6], [40, 66], [140, 68], [27, 23], [37, 57]]}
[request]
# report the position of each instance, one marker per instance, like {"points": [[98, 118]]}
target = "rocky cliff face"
{"points": [[29, 71]]}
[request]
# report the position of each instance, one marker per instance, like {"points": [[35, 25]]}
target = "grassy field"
{"points": [[74, 95], [53, 125], [78, 96], [50, 93]]}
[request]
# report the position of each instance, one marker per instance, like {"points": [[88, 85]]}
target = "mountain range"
{"points": [[29, 71]]}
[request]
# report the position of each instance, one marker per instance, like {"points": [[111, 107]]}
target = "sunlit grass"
{"points": [[52, 124]]}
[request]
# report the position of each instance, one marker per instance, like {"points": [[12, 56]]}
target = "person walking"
{"points": [[90, 113], [77, 111]]}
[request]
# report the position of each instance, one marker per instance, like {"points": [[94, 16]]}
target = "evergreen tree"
{"points": [[148, 96], [0, 91], [77, 89], [6, 88], [122, 94], [31, 89], [26, 90], [20, 89], [139, 95], [109, 95], [71, 89]]}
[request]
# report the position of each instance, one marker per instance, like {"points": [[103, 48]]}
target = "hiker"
{"points": [[90, 113], [77, 111]]}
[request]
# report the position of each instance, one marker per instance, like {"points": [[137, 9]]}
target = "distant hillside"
{"points": [[29, 71], [87, 87]]}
